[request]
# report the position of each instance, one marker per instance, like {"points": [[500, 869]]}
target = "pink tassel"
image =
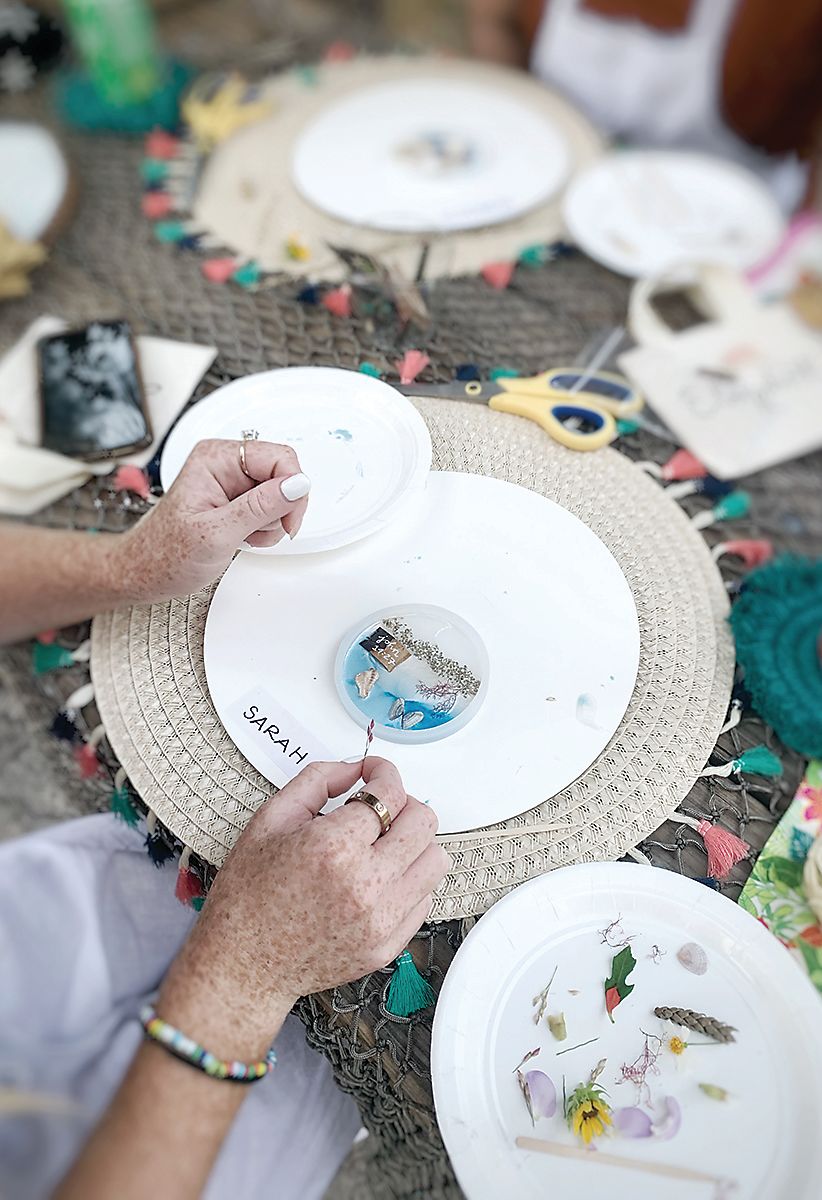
{"points": [[410, 365], [338, 301], [132, 479], [752, 551], [160, 144], [339, 51], [47, 637], [724, 849], [86, 758], [218, 270], [498, 274], [683, 465], [155, 205]]}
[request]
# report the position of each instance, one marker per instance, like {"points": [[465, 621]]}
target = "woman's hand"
{"points": [[304, 903], [190, 537]]}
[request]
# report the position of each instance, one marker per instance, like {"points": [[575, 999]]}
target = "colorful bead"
{"points": [[185, 1048]]}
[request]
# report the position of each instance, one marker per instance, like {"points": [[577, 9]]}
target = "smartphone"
{"points": [[91, 393]]}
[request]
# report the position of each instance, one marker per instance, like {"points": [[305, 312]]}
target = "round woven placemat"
{"points": [[147, 667], [246, 202]]}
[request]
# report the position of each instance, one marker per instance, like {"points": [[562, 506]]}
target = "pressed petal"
{"points": [[586, 1133], [542, 1092], [596, 1127], [668, 1125], [632, 1122], [576, 1120], [605, 1115]]}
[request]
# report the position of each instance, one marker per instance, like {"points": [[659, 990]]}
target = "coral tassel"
{"points": [[498, 274], [188, 886], [86, 758], [338, 301], [724, 848], [132, 479], [682, 465], [752, 551], [410, 365], [408, 992]]}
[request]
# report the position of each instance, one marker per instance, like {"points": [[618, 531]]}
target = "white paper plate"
{"points": [[34, 178], [766, 1137], [546, 598], [641, 212], [429, 155], [365, 448]]}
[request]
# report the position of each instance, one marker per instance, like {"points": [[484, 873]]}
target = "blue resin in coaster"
{"points": [[418, 671]]}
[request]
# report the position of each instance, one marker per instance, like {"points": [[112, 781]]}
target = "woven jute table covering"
{"points": [[107, 263], [152, 695]]}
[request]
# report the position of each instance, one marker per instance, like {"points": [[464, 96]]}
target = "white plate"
{"points": [[370, 159], [365, 448], [641, 212], [33, 180], [766, 1137], [544, 595]]}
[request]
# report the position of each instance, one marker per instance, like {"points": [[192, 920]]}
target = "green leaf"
{"points": [[784, 871], [616, 985], [813, 962]]}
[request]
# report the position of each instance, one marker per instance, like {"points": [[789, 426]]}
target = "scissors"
{"points": [[578, 407]]}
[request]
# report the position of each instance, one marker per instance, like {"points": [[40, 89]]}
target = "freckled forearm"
{"points": [[51, 578]]}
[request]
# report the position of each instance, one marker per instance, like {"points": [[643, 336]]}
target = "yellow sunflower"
{"points": [[588, 1112]]}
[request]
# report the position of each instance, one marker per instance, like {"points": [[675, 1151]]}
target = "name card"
{"points": [[277, 733]]}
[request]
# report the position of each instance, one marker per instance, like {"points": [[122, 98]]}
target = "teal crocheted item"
{"points": [[777, 622], [79, 102]]}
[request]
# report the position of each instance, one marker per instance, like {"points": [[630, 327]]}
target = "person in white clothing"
{"points": [[740, 79], [89, 930]]}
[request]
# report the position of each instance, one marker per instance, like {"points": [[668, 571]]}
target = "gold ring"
{"points": [[243, 467], [377, 805]]}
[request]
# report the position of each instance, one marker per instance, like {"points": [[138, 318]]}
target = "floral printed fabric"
{"points": [[774, 894]]}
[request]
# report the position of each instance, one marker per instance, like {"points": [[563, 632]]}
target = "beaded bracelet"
{"points": [[191, 1052]]}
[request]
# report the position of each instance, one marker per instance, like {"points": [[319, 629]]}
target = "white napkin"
{"points": [[31, 477]]}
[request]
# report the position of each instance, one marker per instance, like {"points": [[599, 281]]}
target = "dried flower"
{"points": [[676, 1045], [587, 1112], [642, 1066], [556, 1023], [539, 1094], [614, 935], [698, 1022], [540, 1001], [531, 1054], [715, 1092]]}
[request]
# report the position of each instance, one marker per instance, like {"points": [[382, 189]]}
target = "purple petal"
{"points": [[542, 1092], [632, 1122], [668, 1125]]}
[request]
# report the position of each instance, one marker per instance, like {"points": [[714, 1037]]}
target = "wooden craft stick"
{"points": [[614, 1160]]}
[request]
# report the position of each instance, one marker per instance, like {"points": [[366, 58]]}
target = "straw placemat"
{"points": [[147, 667], [246, 202]]}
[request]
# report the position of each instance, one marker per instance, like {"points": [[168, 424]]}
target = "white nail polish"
{"points": [[295, 487]]}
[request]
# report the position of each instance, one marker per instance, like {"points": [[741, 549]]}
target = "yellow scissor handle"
{"points": [[543, 410], [548, 384]]}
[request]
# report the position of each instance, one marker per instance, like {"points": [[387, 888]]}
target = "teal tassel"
{"points": [[408, 992], [50, 658], [503, 373], [169, 231], [124, 807], [626, 425], [536, 256], [732, 507], [367, 368], [759, 760], [153, 170], [248, 275]]}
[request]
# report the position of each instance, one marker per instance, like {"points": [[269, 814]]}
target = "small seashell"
{"points": [[396, 710], [365, 682], [693, 958], [411, 719]]}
